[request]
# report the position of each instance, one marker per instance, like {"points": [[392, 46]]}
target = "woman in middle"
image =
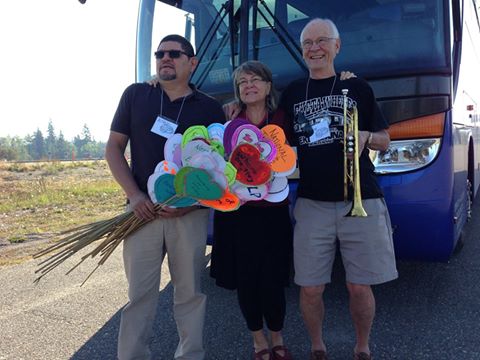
{"points": [[252, 246]]}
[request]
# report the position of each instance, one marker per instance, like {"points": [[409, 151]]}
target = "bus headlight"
{"points": [[405, 155]]}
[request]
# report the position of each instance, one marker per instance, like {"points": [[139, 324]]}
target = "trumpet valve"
{"points": [[350, 144]]}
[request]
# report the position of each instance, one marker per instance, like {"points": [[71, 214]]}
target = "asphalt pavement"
{"points": [[431, 312]]}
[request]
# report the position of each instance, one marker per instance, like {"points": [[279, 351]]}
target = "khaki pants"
{"points": [[184, 240]]}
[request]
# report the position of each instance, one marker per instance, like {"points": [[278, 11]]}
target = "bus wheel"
{"points": [[469, 199], [460, 243], [469, 203]]}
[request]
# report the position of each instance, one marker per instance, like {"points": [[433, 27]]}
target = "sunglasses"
{"points": [[174, 54]]}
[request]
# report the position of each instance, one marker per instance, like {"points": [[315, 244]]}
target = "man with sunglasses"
{"points": [[146, 117]]}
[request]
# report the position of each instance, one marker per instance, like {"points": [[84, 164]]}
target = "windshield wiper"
{"points": [[225, 9], [294, 49]]}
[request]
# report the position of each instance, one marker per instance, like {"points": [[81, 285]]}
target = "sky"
{"points": [[65, 62]]}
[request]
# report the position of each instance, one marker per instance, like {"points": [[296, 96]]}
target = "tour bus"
{"points": [[422, 59]]}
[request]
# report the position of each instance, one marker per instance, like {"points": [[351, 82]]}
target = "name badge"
{"points": [[321, 130], [164, 127]]}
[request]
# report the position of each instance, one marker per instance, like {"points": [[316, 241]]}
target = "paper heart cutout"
{"points": [[193, 148], [246, 133], [165, 192], [250, 193], [278, 190], [267, 149], [228, 202], [219, 178], [197, 184], [202, 161], [285, 158], [249, 133], [163, 167], [166, 167], [251, 170], [216, 131], [217, 146], [230, 128], [194, 132], [230, 173], [172, 150]]}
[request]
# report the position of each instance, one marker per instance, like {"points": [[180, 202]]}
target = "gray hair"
{"points": [[329, 22], [261, 70]]}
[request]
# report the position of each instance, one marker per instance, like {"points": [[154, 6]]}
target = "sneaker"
{"points": [[362, 356], [318, 355]]}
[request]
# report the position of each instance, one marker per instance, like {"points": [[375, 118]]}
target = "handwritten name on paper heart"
{"points": [[250, 193], [164, 190], [197, 184], [228, 202], [285, 158], [251, 170]]}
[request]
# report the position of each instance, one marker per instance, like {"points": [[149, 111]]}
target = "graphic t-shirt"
{"points": [[316, 109]]}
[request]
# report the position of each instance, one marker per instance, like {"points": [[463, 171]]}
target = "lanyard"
{"points": [[179, 111], [331, 91]]}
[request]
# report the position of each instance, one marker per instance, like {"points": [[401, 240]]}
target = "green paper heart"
{"points": [[217, 147], [197, 184], [230, 173], [193, 132], [165, 190]]}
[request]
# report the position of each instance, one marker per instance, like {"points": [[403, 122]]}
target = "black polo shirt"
{"points": [[137, 111]]}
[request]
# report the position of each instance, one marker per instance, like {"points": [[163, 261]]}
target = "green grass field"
{"points": [[39, 200]]}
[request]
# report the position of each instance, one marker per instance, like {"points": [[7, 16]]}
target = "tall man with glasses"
{"points": [[143, 114], [315, 105]]}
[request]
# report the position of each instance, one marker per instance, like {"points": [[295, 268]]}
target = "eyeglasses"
{"points": [[253, 81], [321, 41], [173, 54]]}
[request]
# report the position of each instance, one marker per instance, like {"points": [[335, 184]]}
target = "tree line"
{"points": [[51, 146]]}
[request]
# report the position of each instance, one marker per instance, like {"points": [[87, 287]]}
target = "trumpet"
{"points": [[351, 168]]}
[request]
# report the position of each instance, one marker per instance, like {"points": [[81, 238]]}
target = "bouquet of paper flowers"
{"points": [[219, 167]]}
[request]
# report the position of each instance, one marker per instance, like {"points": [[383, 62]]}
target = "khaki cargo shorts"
{"points": [[365, 243]]}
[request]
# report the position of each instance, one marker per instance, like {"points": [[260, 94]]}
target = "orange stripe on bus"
{"points": [[423, 127]]}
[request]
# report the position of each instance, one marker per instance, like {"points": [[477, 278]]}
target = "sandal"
{"points": [[318, 355], [259, 355], [287, 355], [362, 356]]}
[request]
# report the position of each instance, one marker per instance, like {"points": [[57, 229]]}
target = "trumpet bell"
{"points": [[357, 211]]}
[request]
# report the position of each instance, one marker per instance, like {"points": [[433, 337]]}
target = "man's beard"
{"points": [[167, 77]]}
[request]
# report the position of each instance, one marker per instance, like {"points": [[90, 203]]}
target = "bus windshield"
{"points": [[401, 37]]}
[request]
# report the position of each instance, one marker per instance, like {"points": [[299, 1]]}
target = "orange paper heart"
{"points": [[285, 158], [228, 202]]}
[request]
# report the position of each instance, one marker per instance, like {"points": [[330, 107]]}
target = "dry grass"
{"points": [[38, 200]]}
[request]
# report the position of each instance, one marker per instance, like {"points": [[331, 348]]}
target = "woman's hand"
{"points": [[153, 81]]}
